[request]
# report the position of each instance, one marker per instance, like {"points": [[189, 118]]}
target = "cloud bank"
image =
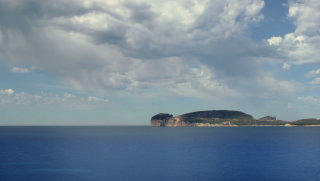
{"points": [[9, 97], [193, 48]]}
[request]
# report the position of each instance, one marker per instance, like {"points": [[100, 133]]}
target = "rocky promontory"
{"points": [[224, 118]]}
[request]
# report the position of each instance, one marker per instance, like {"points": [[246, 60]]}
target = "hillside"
{"points": [[214, 116], [224, 118], [304, 122]]}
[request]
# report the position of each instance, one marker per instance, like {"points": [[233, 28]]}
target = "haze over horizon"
{"points": [[119, 62]]}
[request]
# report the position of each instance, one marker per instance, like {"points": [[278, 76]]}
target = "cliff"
{"points": [[225, 118], [160, 119]]}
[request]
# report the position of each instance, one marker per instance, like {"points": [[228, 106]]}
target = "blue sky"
{"points": [[119, 62]]}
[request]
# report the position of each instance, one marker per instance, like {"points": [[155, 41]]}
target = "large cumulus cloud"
{"points": [[188, 47], [301, 46]]}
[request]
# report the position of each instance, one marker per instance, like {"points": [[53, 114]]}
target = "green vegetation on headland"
{"points": [[224, 118], [303, 122]]}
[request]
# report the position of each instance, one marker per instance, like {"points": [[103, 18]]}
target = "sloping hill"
{"points": [[310, 121], [224, 118], [214, 116]]}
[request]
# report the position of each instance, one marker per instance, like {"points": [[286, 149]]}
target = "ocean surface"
{"points": [[159, 153]]}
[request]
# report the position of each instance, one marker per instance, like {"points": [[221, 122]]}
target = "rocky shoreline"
{"points": [[224, 118]]}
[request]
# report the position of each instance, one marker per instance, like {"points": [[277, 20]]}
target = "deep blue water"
{"points": [[153, 153]]}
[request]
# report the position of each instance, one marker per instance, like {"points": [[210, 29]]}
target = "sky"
{"points": [[119, 62]]}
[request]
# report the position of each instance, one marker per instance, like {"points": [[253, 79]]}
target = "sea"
{"points": [[159, 153]]}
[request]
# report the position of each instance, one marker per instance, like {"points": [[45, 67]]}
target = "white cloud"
{"points": [[20, 70], [313, 73], [194, 48], [68, 96], [96, 99], [273, 86], [276, 40], [6, 91], [66, 101], [316, 81], [309, 99], [286, 66], [302, 45]]}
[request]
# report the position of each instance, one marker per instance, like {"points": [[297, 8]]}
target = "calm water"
{"points": [[146, 153]]}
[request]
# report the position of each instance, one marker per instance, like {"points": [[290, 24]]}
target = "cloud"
{"points": [[276, 88], [313, 73], [302, 45], [286, 66], [19, 70], [316, 81], [93, 99], [6, 91], [66, 101], [275, 40], [194, 48], [309, 99]]}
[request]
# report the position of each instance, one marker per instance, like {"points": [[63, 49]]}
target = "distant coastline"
{"points": [[224, 118]]}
